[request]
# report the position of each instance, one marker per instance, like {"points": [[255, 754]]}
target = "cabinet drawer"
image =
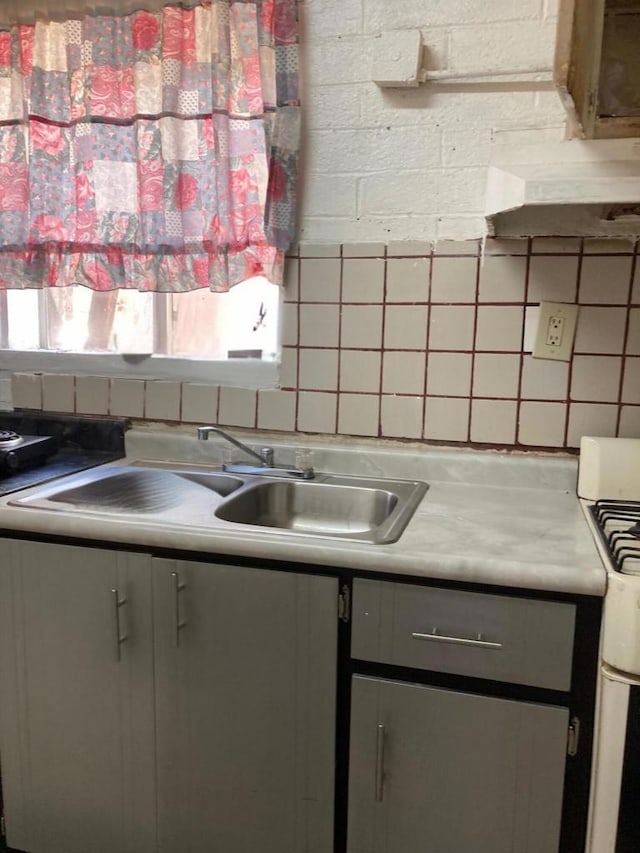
{"points": [[519, 640]]}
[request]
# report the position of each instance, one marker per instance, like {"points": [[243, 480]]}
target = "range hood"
{"points": [[573, 188]]}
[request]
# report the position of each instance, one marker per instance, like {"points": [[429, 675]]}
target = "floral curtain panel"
{"points": [[155, 150]]}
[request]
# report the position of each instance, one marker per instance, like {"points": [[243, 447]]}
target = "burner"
{"points": [[9, 438]]}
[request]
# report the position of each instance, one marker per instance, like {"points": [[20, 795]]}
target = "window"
{"points": [[193, 335]]}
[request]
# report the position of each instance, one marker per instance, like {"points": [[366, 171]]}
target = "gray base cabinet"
{"points": [[155, 705], [441, 771]]}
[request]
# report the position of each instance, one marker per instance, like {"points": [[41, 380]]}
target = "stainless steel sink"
{"points": [[377, 513], [132, 490], [330, 506]]}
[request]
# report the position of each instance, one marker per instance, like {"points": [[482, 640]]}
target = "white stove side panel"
{"points": [[621, 623], [608, 757]]}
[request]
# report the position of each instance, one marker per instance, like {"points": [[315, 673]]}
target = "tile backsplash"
{"points": [[423, 343]]}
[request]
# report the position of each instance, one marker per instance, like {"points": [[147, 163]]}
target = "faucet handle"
{"points": [[266, 454]]}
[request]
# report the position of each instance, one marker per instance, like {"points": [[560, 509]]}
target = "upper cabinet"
{"points": [[597, 66]]}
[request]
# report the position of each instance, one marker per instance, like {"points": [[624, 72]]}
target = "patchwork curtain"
{"points": [[154, 150]]}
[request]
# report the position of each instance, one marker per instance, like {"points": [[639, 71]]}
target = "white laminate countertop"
{"points": [[489, 517]]}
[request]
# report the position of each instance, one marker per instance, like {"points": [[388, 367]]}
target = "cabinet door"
{"points": [[245, 698], [438, 771], [76, 733]]}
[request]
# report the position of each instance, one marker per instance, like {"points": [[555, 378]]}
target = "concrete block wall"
{"points": [[383, 165]]}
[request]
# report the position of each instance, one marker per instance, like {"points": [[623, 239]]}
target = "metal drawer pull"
{"points": [[379, 793], [119, 638], [434, 637], [178, 586]]}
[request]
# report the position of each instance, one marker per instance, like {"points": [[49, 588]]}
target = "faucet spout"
{"points": [[265, 457]]}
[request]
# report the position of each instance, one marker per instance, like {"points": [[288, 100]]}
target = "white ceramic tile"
{"points": [[449, 374], [237, 407], [26, 390], [199, 403], [162, 400], [403, 372], [319, 325], [289, 320], [506, 246], [291, 279], [363, 280], [358, 414], [446, 419], [556, 245], [277, 410], [605, 280], [405, 326], [320, 280], [591, 419], [451, 327], [363, 250], [58, 392], [456, 247], [360, 371], [454, 279], [408, 248], [499, 328], [289, 368], [317, 412], [361, 326], [542, 424], [600, 330], [630, 422], [92, 395], [319, 250], [601, 245], [635, 291], [496, 375], [127, 398], [408, 279], [553, 279], [633, 336], [543, 379], [493, 421], [401, 417], [596, 378], [318, 369], [631, 382], [502, 279]]}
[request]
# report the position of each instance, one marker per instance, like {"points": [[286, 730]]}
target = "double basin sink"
{"points": [[339, 507]]}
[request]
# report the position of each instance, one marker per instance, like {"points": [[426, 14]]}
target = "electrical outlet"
{"points": [[556, 331]]}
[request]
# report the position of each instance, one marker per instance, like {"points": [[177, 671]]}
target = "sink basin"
{"points": [[181, 495], [376, 513], [134, 490]]}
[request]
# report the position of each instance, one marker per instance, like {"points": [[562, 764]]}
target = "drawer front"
{"points": [[518, 640]]}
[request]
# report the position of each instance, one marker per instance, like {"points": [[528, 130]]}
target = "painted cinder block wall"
{"points": [[394, 325]]}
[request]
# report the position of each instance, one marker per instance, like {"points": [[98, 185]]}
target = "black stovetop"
{"points": [[83, 442]]}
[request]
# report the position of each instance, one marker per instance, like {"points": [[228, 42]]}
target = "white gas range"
{"points": [[609, 489]]}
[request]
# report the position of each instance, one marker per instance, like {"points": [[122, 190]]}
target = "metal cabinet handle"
{"points": [[178, 625], [379, 782], [117, 603], [435, 637]]}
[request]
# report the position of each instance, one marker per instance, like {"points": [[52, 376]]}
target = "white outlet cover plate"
{"points": [[568, 314]]}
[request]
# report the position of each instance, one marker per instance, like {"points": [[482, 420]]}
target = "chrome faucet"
{"points": [[264, 457]]}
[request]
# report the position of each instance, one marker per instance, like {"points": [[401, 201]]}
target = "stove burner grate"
{"points": [[619, 525], [8, 438]]}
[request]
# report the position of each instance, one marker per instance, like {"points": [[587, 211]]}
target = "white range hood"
{"points": [[573, 188]]}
